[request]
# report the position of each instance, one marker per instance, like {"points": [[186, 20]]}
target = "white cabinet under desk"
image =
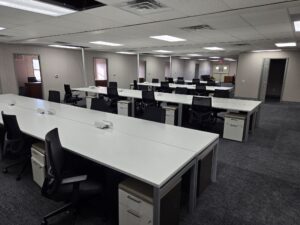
{"points": [[38, 163], [234, 126]]}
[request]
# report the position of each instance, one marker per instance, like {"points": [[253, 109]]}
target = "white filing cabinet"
{"points": [[171, 114], [136, 204], [234, 126], [124, 108], [38, 163]]}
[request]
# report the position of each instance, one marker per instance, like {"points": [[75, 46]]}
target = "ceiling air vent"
{"points": [[198, 28], [143, 7]]}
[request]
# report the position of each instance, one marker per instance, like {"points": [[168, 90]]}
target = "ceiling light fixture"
{"points": [[105, 43], [161, 56], [214, 48], [168, 38], [287, 44], [202, 59], [36, 7], [127, 53], [64, 46], [194, 55], [214, 57], [2, 28], [162, 51], [268, 50], [230, 59], [185, 58], [297, 26]]}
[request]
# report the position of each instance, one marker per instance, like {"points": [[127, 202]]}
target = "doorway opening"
{"points": [[28, 74], [100, 72], [275, 80]]}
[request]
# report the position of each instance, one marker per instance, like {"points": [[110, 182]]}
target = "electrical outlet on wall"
{"points": [[56, 76]]}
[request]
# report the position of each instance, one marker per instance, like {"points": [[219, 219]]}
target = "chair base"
{"points": [[63, 209]]}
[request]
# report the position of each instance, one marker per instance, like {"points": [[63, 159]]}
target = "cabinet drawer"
{"points": [[38, 172], [131, 217], [234, 122], [39, 157], [135, 204]]}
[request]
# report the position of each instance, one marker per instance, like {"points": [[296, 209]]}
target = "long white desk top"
{"points": [[188, 86], [148, 159], [219, 103], [184, 138]]}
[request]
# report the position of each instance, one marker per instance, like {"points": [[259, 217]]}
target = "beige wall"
{"points": [[249, 74], [155, 67]]}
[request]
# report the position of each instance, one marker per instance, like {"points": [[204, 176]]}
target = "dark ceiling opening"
{"points": [[78, 5]]}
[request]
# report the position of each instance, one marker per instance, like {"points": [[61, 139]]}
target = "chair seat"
{"points": [[87, 189]]}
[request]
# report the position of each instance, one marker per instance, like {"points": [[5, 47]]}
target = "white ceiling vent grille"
{"points": [[198, 28], [144, 7]]}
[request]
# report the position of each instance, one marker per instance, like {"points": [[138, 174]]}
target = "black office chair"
{"points": [[181, 90], [201, 90], [143, 87], [155, 80], [164, 87], [141, 80], [201, 111], [69, 97], [221, 93], [135, 85], [16, 143], [148, 98], [31, 79], [57, 186], [101, 105], [113, 84], [195, 81], [170, 80], [180, 78], [23, 91], [54, 96], [205, 77], [155, 114]]}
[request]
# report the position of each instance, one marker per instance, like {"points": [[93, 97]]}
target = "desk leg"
{"points": [[257, 117], [179, 122], [132, 107], [247, 127], [215, 163], [193, 187], [156, 206]]}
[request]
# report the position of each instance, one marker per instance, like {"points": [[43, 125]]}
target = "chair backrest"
{"points": [[100, 105], [113, 84], [201, 103], [211, 83], [155, 80], [170, 80], [181, 90], [54, 96], [154, 114], [135, 85], [205, 77], [180, 81], [112, 92], [180, 78], [68, 89], [143, 87], [196, 81], [164, 84], [55, 159], [148, 96], [31, 79], [221, 93], [22, 91], [11, 126], [141, 80]]}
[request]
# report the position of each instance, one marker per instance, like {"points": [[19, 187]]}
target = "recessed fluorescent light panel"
{"points": [[194, 55], [214, 57], [2, 28], [214, 48], [127, 53], [185, 58], [161, 56], [104, 43], [297, 25], [162, 51], [270, 50], [36, 7], [287, 44], [64, 46], [229, 59], [202, 59], [168, 38]]}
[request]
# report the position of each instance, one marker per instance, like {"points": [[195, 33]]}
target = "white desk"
{"points": [[250, 107], [167, 160]]}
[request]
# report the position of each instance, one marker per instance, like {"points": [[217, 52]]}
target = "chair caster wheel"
{"points": [[44, 222], [5, 171]]}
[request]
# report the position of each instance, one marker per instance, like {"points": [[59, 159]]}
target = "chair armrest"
{"points": [[76, 179]]}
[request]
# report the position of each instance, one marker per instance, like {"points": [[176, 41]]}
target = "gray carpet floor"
{"points": [[258, 182]]}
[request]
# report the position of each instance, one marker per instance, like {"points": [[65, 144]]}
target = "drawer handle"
{"points": [[133, 213], [133, 199]]}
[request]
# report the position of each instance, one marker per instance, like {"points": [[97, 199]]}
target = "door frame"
{"points": [[94, 69]]}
